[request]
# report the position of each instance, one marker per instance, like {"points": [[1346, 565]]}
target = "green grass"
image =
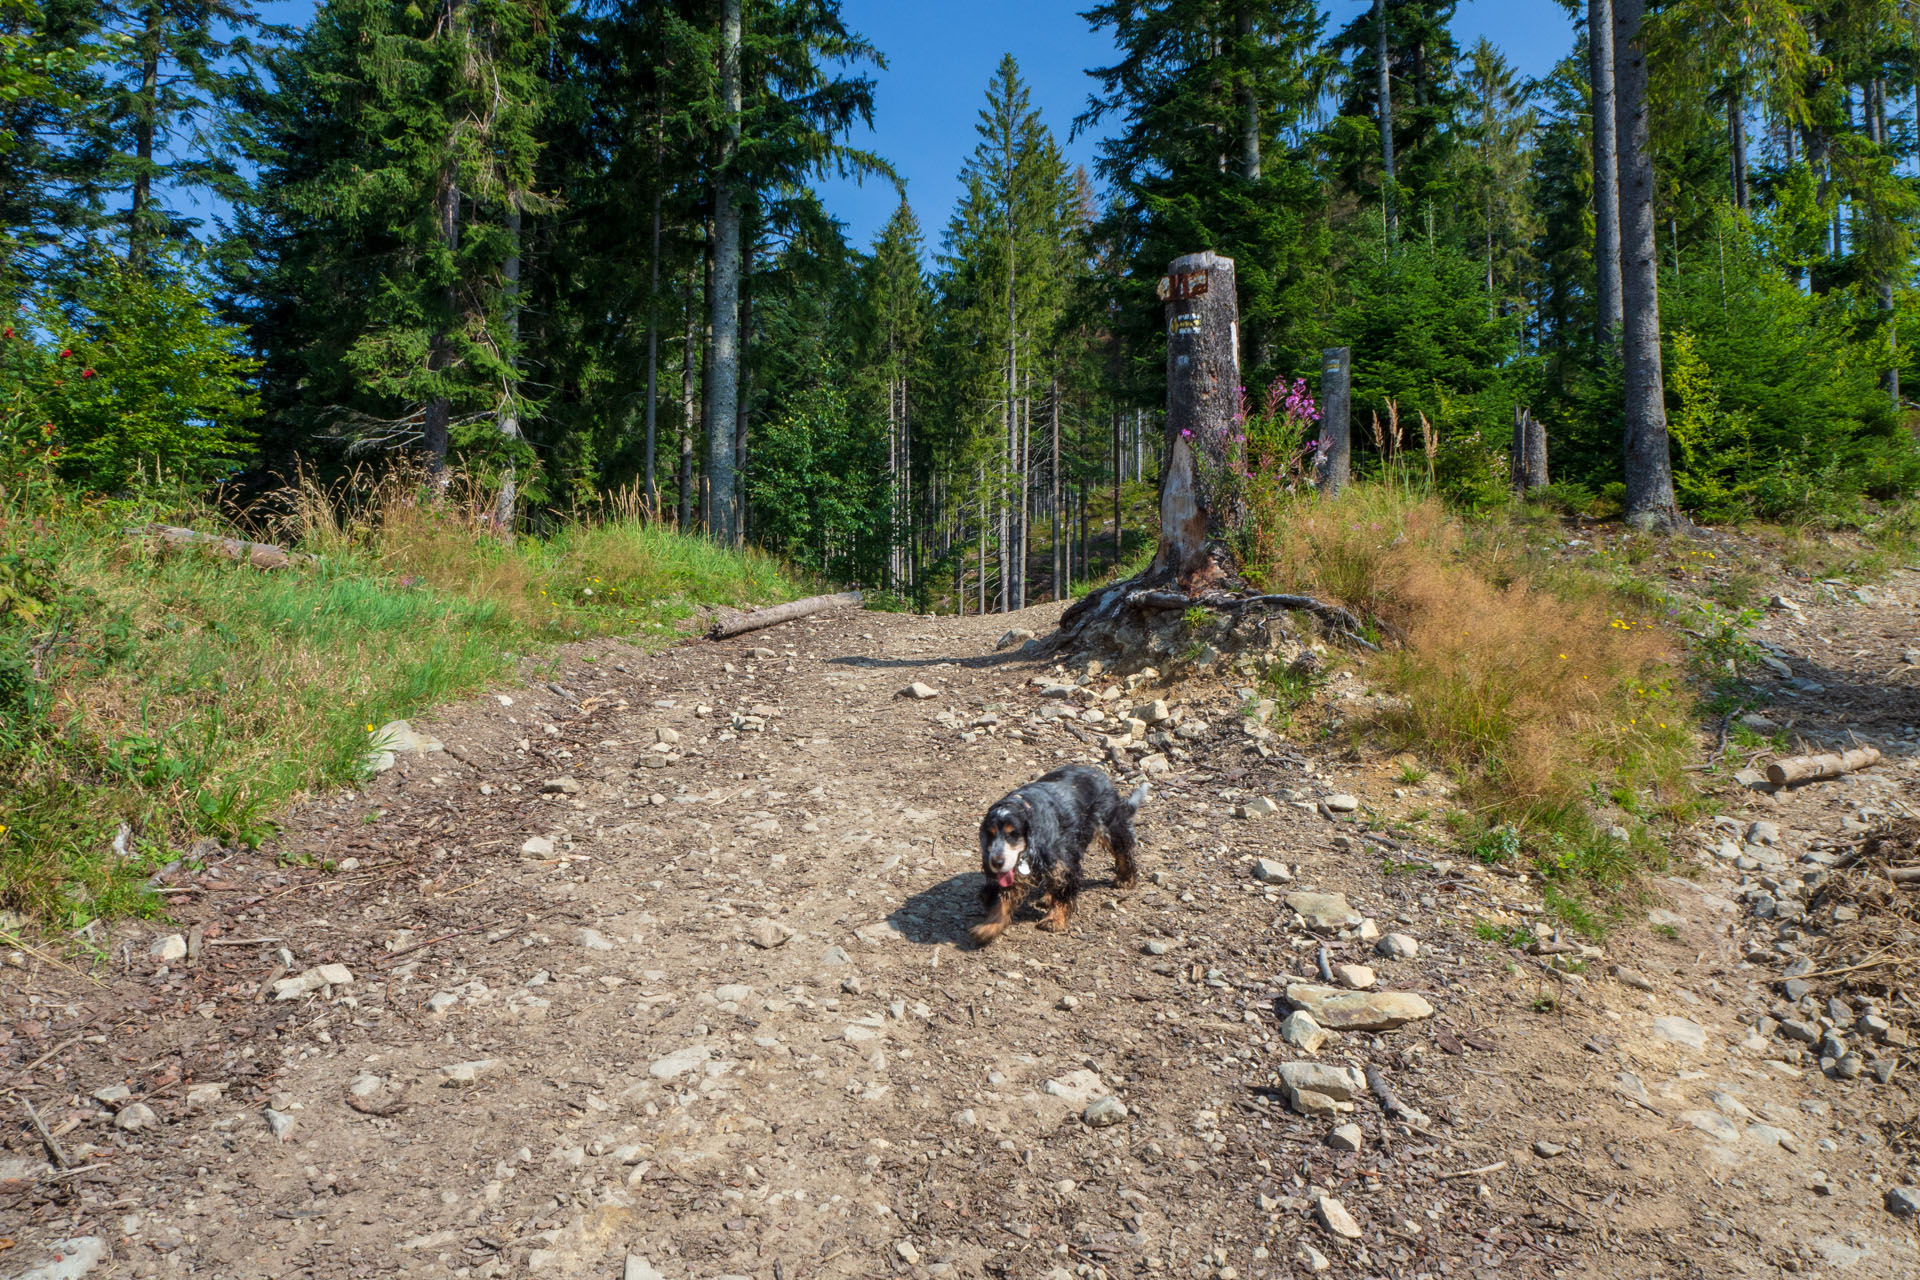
{"points": [[184, 695]]}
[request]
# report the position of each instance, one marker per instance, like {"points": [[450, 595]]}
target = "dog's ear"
{"points": [[1043, 830]]}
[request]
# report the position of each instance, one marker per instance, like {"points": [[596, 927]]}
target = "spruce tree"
{"points": [[50, 196], [166, 120], [398, 148], [1191, 74]]}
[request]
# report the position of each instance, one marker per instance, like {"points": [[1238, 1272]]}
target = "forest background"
{"points": [[570, 252]]}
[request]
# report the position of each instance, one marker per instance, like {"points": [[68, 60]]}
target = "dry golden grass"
{"points": [[1541, 695]]}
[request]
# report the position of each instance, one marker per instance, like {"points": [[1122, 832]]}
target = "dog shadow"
{"points": [[944, 912]]}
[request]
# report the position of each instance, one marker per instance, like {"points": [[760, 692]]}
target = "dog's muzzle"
{"points": [[1005, 862]]}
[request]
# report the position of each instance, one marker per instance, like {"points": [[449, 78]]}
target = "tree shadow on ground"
{"points": [[978, 660]]}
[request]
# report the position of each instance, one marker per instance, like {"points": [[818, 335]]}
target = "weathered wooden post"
{"points": [[1336, 420]]}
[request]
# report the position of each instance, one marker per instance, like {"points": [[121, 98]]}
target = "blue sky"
{"points": [[940, 56]]}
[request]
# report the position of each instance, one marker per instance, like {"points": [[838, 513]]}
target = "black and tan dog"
{"points": [[1037, 837]]}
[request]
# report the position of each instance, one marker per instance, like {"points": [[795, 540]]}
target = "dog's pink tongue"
{"points": [[1006, 879]]}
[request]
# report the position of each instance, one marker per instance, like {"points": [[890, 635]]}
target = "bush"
{"points": [[1773, 399], [136, 373]]}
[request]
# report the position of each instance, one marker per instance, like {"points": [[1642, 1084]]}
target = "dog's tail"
{"points": [[1138, 798]]}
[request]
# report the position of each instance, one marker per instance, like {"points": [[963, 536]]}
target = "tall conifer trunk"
{"points": [[1385, 99], [688, 412], [652, 490], [724, 378], [1250, 102], [744, 404], [139, 234], [437, 417], [508, 417], [1649, 467], [1606, 170], [1737, 144], [1060, 584]]}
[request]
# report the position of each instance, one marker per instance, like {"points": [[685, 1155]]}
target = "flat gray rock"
{"points": [[679, 1062], [1346, 1137], [1340, 1010], [74, 1258], [1713, 1124], [1302, 1032], [1398, 946], [1681, 1031], [460, 1073], [1338, 1083], [1324, 910], [1334, 1217]]}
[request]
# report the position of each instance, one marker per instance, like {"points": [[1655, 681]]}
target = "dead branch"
{"points": [[53, 1146]]}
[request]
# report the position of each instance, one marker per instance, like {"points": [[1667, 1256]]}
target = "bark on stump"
{"points": [[1332, 470], [1527, 462]]}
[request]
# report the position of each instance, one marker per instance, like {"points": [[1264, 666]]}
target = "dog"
{"points": [[1037, 836]]}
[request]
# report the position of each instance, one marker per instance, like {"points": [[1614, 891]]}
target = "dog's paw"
{"points": [[986, 932], [1055, 922]]}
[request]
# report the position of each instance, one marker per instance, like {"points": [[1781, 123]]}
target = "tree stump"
{"points": [[1194, 563], [1527, 460], [1336, 426]]}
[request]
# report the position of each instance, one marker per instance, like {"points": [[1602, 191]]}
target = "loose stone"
{"points": [[1398, 946], [1346, 1137], [1334, 1217]]}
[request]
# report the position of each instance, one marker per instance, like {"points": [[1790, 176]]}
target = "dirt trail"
{"points": [[582, 1061]]}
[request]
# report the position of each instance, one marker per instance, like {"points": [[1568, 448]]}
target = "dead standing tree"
{"points": [[1194, 563]]}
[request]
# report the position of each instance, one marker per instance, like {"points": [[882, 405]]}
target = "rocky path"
{"points": [[658, 970]]}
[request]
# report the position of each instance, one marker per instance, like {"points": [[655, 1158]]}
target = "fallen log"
{"points": [[261, 555], [760, 619], [1813, 768]]}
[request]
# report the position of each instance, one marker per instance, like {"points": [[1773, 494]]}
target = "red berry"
{"points": [[9, 332], [65, 352], [86, 373]]}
